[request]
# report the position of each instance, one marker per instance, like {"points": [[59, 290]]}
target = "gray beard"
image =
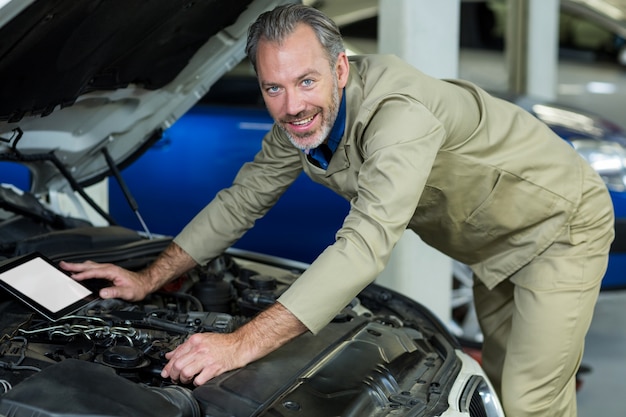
{"points": [[326, 127]]}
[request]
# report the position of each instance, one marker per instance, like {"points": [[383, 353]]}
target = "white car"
{"points": [[87, 86]]}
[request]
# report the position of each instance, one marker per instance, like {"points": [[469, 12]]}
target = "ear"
{"points": [[343, 69]]}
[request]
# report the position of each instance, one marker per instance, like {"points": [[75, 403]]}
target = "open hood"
{"points": [[84, 82]]}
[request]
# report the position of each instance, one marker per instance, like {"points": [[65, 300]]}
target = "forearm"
{"points": [[171, 263], [268, 331], [205, 355]]}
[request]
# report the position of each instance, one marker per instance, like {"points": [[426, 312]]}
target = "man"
{"points": [[476, 177]]}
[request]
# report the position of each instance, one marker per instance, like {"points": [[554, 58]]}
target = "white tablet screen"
{"points": [[43, 285]]}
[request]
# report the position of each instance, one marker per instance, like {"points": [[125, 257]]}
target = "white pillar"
{"points": [[543, 44], [532, 47], [426, 34]]}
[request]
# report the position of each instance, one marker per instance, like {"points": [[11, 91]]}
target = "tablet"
{"points": [[43, 286]]}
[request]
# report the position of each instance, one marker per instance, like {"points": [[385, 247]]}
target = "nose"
{"points": [[294, 102]]}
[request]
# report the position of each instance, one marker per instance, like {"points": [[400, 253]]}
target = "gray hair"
{"points": [[275, 25]]}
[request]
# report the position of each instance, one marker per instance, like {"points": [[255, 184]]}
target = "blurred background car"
{"points": [[591, 68]]}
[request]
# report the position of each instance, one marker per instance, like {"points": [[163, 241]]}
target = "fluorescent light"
{"points": [[597, 87]]}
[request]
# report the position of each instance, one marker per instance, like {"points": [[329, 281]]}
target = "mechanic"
{"points": [[476, 177]]}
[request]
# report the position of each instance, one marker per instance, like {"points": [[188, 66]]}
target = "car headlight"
{"points": [[607, 158]]}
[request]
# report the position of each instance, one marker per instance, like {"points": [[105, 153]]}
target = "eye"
{"points": [[272, 90], [307, 83]]}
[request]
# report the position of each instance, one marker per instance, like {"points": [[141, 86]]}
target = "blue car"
{"points": [[201, 153], [602, 144]]}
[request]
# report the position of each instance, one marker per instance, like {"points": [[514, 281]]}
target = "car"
{"points": [[87, 88], [591, 68]]}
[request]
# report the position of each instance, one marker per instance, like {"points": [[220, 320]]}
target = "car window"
{"points": [[483, 25], [581, 36]]}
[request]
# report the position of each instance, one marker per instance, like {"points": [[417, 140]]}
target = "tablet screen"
{"points": [[39, 283]]}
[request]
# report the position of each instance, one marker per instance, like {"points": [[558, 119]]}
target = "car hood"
{"points": [[610, 12], [87, 84]]}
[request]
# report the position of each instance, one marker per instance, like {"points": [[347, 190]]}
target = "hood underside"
{"points": [[55, 51], [82, 79]]}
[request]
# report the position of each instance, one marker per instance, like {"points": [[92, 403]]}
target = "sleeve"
{"points": [[234, 210], [399, 145]]}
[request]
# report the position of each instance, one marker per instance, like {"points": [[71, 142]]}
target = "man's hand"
{"points": [[127, 285], [207, 355], [134, 286], [204, 356]]}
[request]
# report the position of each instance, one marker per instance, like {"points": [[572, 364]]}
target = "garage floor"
{"points": [[603, 391]]}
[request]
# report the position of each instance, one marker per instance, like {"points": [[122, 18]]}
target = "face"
{"points": [[301, 91]]}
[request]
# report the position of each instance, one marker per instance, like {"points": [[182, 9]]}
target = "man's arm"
{"points": [[170, 264], [207, 355]]}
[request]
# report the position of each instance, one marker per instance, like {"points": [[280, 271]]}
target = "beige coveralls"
{"points": [[476, 177]]}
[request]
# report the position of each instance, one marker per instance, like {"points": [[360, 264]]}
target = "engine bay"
{"points": [[132, 338], [383, 351]]}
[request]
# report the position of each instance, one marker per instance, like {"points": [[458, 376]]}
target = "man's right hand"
{"points": [[127, 285], [134, 286]]}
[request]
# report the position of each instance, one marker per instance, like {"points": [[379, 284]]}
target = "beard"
{"points": [[312, 139]]}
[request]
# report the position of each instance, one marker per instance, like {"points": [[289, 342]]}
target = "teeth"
{"points": [[303, 122]]}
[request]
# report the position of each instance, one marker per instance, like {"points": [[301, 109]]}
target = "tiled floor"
{"points": [[603, 392]]}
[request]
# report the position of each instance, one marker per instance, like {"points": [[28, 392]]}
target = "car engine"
{"points": [[131, 339]]}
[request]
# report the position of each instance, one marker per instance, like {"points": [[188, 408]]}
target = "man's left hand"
{"points": [[206, 355]]}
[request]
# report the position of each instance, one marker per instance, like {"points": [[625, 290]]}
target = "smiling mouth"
{"points": [[303, 121]]}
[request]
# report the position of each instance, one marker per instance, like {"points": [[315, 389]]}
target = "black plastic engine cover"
{"points": [[80, 388], [352, 368]]}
